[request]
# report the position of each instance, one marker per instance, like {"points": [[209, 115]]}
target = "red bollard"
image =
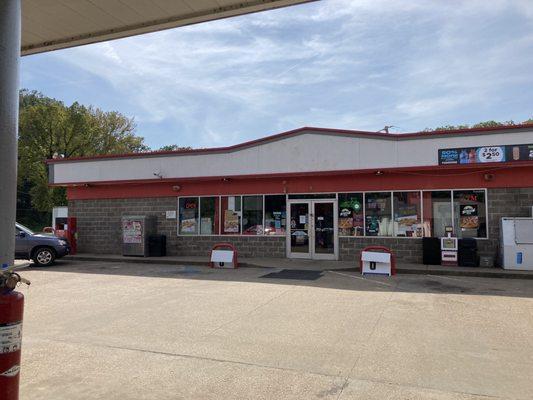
{"points": [[11, 309]]}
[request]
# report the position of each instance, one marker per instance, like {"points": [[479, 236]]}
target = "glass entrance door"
{"points": [[313, 229], [299, 245], [324, 230]]}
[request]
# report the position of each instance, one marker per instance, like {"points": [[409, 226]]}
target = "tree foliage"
{"points": [[482, 124], [174, 147], [50, 129]]}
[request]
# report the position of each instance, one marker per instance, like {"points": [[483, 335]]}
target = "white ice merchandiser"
{"points": [[516, 243], [135, 232]]}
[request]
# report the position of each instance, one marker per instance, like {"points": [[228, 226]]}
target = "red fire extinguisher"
{"points": [[11, 309]]}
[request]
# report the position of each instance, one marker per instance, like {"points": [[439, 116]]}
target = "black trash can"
{"points": [[431, 251], [157, 245], [467, 256]]}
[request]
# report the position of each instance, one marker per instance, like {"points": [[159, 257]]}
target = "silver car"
{"points": [[43, 249]]}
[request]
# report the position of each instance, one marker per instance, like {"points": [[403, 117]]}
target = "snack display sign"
{"points": [[231, 222], [468, 216], [486, 154], [188, 225]]}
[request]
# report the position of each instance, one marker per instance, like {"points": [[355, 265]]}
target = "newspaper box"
{"points": [[223, 255], [378, 260]]}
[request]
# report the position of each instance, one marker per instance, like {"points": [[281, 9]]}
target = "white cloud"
{"points": [[345, 64]]}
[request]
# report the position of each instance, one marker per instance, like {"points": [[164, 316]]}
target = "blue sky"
{"points": [[333, 63]]}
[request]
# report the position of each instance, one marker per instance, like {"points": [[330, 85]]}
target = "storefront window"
{"points": [[209, 215], [407, 214], [188, 216], [231, 215], [351, 221], [275, 215], [378, 214], [437, 213], [469, 213], [252, 215]]}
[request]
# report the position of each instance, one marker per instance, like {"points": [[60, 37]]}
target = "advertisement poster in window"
{"points": [[468, 216], [279, 221], [231, 222], [407, 220], [345, 223], [345, 218], [206, 226], [188, 225], [132, 231], [372, 225]]}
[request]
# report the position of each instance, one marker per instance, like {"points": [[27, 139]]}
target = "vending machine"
{"points": [[135, 232]]}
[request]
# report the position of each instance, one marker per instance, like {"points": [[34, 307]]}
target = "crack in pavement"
{"points": [[331, 391]]}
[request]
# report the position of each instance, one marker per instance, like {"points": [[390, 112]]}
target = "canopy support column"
{"points": [[10, 22]]}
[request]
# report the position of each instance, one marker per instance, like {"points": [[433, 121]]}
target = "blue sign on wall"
{"points": [[486, 154]]}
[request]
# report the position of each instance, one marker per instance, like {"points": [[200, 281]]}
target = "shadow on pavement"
{"points": [[340, 280]]}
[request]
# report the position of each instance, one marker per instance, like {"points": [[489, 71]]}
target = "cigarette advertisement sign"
{"points": [[486, 154]]}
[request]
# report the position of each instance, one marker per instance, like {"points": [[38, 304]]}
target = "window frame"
{"points": [[178, 219], [178, 216], [421, 191], [364, 193]]}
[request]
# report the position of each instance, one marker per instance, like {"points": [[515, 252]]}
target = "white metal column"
{"points": [[9, 108]]}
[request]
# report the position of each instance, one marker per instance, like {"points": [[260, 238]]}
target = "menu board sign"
{"points": [[486, 154]]}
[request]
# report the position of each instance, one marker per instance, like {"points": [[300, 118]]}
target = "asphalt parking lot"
{"points": [[96, 330]]}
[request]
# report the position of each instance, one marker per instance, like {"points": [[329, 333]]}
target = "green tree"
{"points": [[482, 124], [174, 147], [50, 129]]}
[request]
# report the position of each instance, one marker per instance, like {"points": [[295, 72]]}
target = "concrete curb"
{"points": [[468, 272]]}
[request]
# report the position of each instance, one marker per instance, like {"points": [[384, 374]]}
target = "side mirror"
{"points": [[22, 234]]}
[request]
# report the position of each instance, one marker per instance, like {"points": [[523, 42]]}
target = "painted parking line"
{"points": [[361, 278]]}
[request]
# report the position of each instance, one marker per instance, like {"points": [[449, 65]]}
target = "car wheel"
{"points": [[44, 256]]}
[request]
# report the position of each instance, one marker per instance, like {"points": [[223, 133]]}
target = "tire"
{"points": [[44, 256]]}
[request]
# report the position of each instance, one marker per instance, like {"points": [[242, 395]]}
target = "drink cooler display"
{"points": [[135, 241]]}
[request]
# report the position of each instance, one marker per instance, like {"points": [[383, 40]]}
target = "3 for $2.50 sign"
{"points": [[491, 154]]}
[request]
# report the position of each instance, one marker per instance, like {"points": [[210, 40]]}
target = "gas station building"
{"points": [[309, 193]]}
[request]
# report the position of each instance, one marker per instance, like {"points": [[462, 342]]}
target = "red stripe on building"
{"points": [[420, 178]]}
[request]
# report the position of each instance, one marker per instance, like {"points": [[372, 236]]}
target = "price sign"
{"points": [[491, 154], [486, 154]]}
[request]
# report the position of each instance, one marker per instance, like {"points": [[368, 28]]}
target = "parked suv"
{"points": [[43, 249]]}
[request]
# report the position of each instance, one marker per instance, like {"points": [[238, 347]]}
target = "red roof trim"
{"points": [[472, 168], [294, 132]]}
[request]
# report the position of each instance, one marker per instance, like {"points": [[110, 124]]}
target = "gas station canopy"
{"points": [[57, 24]]}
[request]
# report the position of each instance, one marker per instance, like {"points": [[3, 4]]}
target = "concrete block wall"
{"points": [[247, 246], [99, 229], [405, 249]]}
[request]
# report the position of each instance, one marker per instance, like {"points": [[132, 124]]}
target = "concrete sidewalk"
{"points": [[320, 265]]}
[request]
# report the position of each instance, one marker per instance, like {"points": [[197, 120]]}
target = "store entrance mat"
{"points": [[296, 274]]}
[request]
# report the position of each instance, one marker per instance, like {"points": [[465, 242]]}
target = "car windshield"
{"points": [[27, 230]]}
